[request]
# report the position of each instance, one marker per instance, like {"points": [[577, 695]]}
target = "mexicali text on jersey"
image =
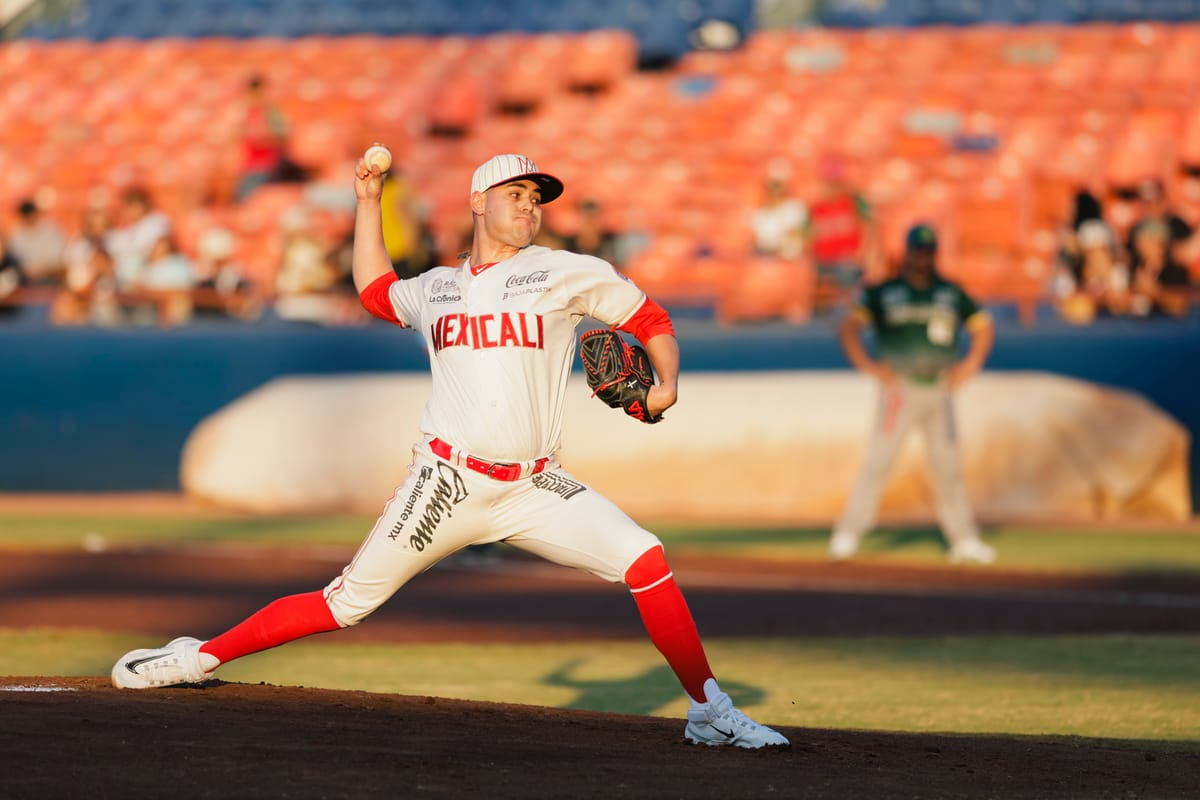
{"points": [[501, 344], [478, 331]]}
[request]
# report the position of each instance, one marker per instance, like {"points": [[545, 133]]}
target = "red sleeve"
{"points": [[648, 321], [375, 299]]}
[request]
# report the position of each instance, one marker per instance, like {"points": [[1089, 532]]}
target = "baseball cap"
{"points": [[510, 167], [921, 237]]}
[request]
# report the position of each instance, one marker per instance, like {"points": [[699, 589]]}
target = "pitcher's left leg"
{"points": [[570, 524]]}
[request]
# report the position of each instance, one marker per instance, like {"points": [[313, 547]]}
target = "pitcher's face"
{"points": [[512, 212]]}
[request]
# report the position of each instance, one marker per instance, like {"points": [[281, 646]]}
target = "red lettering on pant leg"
{"points": [[668, 621], [284, 620]]}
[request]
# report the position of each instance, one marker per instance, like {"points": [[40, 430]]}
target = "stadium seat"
{"points": [[993, 219], [599, 59], [763, 289]]}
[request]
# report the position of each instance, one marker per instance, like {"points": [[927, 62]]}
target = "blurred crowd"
{"points": [[1143, 270], [1140, 262], [124, 263]]}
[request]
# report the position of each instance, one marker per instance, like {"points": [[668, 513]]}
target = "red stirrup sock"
{"points": [[282, 621], [668, 621]]}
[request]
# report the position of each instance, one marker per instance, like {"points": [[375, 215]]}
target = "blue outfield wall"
{"points": [[109, 410]]}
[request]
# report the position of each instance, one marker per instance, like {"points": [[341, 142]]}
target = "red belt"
{"points": [[495, 470]]}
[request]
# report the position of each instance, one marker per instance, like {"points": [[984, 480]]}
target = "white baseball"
{"points": [[378, 156]]}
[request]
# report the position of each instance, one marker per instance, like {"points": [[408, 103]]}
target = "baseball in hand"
{"points": [[378, 156]]}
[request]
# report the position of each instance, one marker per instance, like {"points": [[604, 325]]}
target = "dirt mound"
{"points": [[84, 738]]}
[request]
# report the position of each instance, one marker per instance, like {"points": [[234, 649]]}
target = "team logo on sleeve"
{"points": [[483, 331]]}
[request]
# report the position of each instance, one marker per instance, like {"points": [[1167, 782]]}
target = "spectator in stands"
{"points": [[309, 286], [779, 221], [1096, 281], [1086, 208], [140, 229], [89, 293], [11, 280], [592, 237], [221, 283], [840, 236], [168, 279], [37, 243], [1154, 209], [263, 141], [1160, 285]]}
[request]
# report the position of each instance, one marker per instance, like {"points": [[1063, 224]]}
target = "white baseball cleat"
{"points": [[972, 551], [717, 722], [176, 663], [842, 546]]}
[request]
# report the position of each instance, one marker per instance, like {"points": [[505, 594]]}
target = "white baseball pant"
{"points": [[902, 406], [442, 508]]}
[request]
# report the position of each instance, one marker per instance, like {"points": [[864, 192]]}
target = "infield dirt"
{"points": [[239, 740]]}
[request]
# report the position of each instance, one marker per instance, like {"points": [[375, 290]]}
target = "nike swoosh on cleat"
{"points": [[726, 734], [137, 662]]}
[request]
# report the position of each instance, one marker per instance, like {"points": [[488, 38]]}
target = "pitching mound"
{"points": [[77, 737]]}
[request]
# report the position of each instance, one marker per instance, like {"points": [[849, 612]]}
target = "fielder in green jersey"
{"points": [[918, 319]]}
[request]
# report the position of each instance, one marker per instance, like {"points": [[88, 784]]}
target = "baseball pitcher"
{"points": [[916, 318], [499, 329]]}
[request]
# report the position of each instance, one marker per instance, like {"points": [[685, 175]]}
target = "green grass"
{"points": [[1020, 547], [1135, 688], [1121, 687]]}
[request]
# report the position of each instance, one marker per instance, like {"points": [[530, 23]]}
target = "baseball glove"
{"points": [[618, 373]]}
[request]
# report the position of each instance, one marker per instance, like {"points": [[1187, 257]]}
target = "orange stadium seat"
{"points": [[768, 288], [531, 69], [600, 59], [1070, 106], [993, 219]]}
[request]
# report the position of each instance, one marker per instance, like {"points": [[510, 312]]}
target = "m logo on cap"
{"points": [[510, 167]]}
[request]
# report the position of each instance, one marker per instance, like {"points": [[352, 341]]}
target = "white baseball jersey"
{"points": [[501, 344]]}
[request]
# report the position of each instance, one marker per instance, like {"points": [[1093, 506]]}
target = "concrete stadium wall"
{"points": [[110, 410]]}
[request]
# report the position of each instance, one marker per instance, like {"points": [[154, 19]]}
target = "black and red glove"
{"points": [[618, 373]]}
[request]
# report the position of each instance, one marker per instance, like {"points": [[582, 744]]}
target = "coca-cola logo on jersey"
{"points": [[539, 276]]}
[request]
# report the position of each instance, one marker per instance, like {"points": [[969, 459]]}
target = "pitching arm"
{"points": [[370, 260]]}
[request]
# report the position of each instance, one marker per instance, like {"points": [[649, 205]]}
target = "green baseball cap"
{"points": [[921, 237]]}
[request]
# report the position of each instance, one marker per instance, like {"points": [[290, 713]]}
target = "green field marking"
{"points": [[1137, 689]]}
